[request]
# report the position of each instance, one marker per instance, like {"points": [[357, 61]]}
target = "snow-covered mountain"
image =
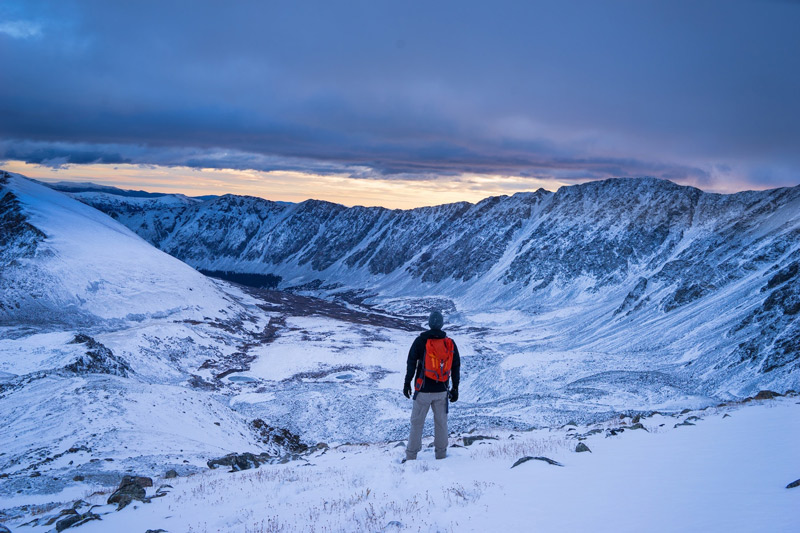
{"points": [[64, 262], [706, 281]]}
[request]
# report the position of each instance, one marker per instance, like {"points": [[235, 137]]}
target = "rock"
{"points": [[75, 520], [726, 415], [793, 484], [468, 441], [36, 474], [130, 488], [156, 531], [581, 447], [4, 529], [684, 423], [529, 458], [636, 419], [638, 426], [324, 445], [240, 461], [571, 423], [60, 515], [693, 417], [766, 395], [78, 478], [394, 524], [69, 521], [686, 411], [400, 444], [171, 474]]}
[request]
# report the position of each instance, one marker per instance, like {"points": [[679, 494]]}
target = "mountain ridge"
{"points": [[618, 256]]}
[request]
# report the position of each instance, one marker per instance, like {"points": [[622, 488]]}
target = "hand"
{"points": [[407, 390], [453, 395]]}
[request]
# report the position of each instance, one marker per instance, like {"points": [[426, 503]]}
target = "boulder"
{"points": [[581, 447], [793, 484], [4, 529], [130, 488], [529, 458], [75, 520], [171, 474], [638, 426], [468, 441]]}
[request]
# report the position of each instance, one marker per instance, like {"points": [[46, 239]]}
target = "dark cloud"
{"points": [[382, 89]]}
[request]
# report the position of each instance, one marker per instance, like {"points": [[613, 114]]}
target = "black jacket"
{"points": [[417, 354]]}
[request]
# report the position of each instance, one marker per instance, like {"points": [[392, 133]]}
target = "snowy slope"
{"points": [[80, 266], [726, 470]]}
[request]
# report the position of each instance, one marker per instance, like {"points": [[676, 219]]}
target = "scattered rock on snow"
{"points": [[171, 473], [581, 447], [539, 458], [793, 484], [684, 423], [638, 426], [240, 461]]}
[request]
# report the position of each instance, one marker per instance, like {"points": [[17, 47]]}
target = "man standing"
{"points": [[434, 360]]}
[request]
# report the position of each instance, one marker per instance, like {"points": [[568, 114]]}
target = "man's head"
{"points": [[436, 320]]}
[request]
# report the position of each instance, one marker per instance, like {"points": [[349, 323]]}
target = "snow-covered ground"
{"points": [[728, 472]]}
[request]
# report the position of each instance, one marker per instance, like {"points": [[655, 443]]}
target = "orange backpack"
{"points": [[437, 362]]}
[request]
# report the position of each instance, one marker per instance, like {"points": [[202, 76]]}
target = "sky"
{"points": [[400, 103]]}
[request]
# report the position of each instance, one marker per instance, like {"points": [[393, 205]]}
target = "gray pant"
{"points": [[423, 401]]}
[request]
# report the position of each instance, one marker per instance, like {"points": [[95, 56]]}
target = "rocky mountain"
{"points": [[634, 264]]}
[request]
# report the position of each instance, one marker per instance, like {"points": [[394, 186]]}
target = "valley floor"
{"points": [[727, 472]]}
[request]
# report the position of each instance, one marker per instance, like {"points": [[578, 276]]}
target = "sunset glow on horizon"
{"points": [[289, 186]]}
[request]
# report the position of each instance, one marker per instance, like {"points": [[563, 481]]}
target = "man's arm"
{"points": [[455, 370], [411, 362]]}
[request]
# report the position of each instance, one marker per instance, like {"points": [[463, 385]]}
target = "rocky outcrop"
{"points": [[280, 440], [97, 360]]}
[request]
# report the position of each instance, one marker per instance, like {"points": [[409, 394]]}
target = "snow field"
{"points": [[724, 474]]}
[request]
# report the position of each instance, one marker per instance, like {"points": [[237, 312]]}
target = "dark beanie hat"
{"points": [[436, 320]]}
